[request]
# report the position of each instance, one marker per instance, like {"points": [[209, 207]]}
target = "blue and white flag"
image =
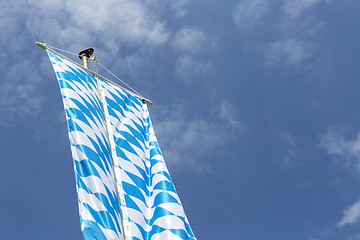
{"points": [[124, 188]]}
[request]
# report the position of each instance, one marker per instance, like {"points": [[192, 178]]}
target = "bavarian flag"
{"points": [[123, 185]]}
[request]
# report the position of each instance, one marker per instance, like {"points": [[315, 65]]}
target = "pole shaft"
{"points": [[85, 62]]}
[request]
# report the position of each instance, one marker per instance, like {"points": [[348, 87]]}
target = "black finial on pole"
{"points": [[84, 55]]}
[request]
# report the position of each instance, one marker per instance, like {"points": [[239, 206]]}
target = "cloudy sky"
{"points": [[255, 109]]}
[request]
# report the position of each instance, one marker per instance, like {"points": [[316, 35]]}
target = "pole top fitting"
{"points": [[41, 45], [147, 101], [86, 53]]}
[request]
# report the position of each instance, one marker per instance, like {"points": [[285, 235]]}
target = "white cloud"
{"points": [[108, 23], [20, 99], [20, 84], [294, 8], [248, 13], [304, 185], [291, 154], [290, 51], [189, 40], [179, 7], [228, 113], [285, 135], [356, 236], [188, 143], [294, 21], [335, 143], [72, 25], [188, 68], [11, 34], [290, 47], [351, 215], [131, 65], [289, 158]]}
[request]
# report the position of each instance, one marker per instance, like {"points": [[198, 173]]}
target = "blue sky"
{"points": [[255, 110]]}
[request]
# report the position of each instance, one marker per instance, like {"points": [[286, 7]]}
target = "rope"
{"points": [[61, 50], [118, 78], [93, 63]]}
